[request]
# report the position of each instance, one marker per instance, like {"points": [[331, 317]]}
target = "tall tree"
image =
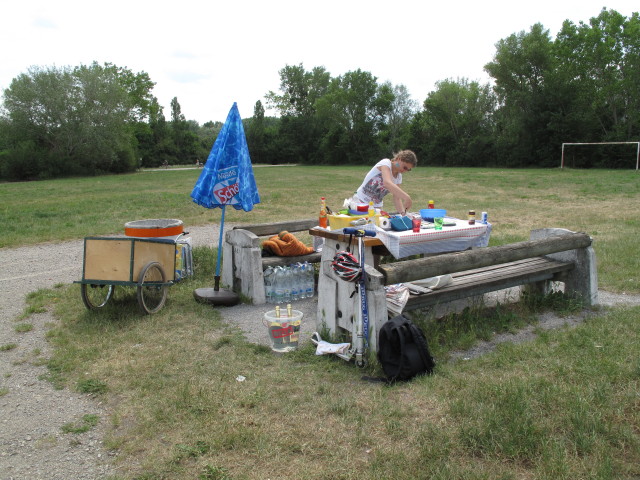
{"points": [[520, 70], [299, 131], [395, 127], [457, 123], [74, 121], [353, 109], [601, 59], [256, 134]]}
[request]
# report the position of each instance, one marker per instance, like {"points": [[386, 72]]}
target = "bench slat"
{"points": [[497, 277], [264, 229], [281, 261]]}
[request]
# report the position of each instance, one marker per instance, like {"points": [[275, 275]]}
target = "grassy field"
{"points": [[565, 406], [601, 203]]}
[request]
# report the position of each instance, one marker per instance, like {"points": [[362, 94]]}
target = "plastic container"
{"points": [[429, 214], [157, 227], [184, 259], [336, 222], [284, 331]]}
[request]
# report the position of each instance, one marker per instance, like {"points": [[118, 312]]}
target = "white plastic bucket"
{"points": [[284, 331]]}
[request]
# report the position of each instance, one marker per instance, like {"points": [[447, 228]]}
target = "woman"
{"points": [[385, 177]]}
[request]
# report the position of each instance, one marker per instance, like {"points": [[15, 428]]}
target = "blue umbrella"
{"points": [[227, 177]]}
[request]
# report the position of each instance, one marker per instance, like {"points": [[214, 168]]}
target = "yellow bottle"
{"points": [[372, 214]]}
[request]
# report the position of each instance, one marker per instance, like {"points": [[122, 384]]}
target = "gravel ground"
{"points": [[32, 413]]}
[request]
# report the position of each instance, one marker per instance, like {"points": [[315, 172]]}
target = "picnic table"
{"points": [[337, 307], [457, 237]]}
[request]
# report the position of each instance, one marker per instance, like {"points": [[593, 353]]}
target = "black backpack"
{"points": [[403, 350]]}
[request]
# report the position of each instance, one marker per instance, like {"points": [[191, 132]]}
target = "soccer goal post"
{"points": [[605, 143]]}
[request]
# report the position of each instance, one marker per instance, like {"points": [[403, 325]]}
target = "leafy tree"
{"points": [[520, 69], [602, 62], [394, 130], [456, 125], [256, 134], [299, 132], [73, 121], [353, 111], [300, 90]]}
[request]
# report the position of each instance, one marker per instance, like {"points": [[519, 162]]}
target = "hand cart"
{"points": [[149, 264]]}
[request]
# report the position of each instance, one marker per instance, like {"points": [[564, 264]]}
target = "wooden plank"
{"points": [[478, 282], [151, 251], [512, 269], [281, 261], [408, 270], [107, 259], [264, 229]]}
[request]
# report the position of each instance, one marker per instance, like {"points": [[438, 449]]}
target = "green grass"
{"points": [[84, 425], [23, 327], [602, 203], [564, 406]]}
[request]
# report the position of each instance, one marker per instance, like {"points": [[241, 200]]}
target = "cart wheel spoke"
{"points": [[152, 290], [96, 296]]}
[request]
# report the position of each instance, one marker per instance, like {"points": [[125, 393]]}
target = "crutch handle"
{"points": [[359, 232]]}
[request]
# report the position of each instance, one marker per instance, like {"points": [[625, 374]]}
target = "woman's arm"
{"points": [[401, 199]]}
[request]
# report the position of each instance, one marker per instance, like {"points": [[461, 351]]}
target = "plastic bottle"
{"points": [[295, 282], [287, 284], [322, 219], [371, 217], [268, 284], [310, 282], [431, 204], [279, 285], [302, 278]]}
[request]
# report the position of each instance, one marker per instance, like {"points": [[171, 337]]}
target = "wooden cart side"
{"points": [[120, 260], [107, 259], [154, 250]]}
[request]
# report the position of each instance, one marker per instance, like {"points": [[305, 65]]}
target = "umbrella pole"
{"points": [[217, 276], [214, 295]]}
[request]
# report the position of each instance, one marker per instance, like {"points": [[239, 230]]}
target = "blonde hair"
{"points": [[406, 156]]}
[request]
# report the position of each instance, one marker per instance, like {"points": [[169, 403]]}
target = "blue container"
{"points": [[429, 214]]}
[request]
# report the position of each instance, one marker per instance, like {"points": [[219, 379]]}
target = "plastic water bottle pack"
{"points": [[290, 283]]}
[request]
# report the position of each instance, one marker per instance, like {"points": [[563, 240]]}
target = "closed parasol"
{"points": [[226, 179]]}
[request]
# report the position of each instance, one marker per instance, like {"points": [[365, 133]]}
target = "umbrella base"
{"points": [[216, 297]]}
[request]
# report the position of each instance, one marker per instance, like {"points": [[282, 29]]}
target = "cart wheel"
{"points": [[152, 292], [96, 296]]}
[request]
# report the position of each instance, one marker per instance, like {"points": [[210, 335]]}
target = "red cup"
{"points": [[416, 222]]}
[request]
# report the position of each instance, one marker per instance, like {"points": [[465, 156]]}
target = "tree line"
{"points": [[582, 86]]}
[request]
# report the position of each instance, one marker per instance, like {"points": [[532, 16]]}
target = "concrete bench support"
{"points": [[242, 261], [552, 255]]}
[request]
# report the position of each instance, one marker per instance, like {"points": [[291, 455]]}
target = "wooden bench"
{"points": [[243, 264], [551, 255]]}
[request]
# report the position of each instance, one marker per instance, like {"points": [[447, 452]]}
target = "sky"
{"points": [[209, 54]]}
